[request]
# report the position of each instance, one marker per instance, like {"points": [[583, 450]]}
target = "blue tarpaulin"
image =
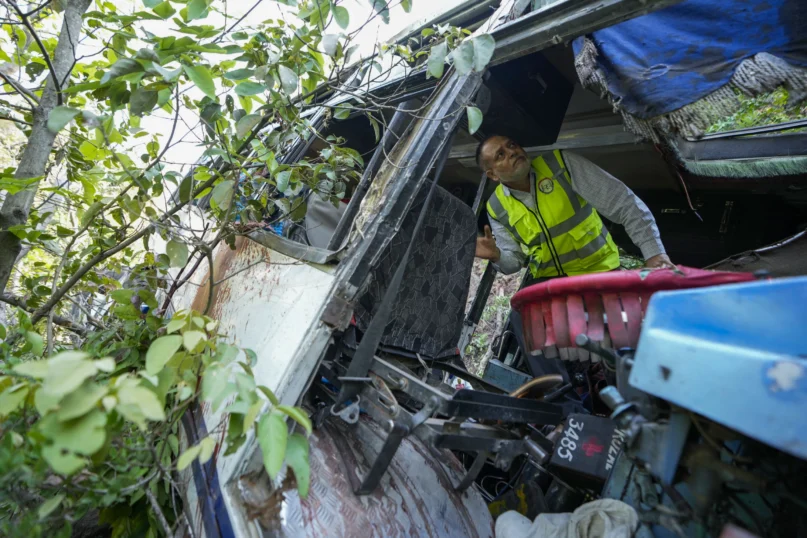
{"points": [[660, 62]]}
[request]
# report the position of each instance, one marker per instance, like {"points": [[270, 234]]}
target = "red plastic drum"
{"points": [[606, 307]]}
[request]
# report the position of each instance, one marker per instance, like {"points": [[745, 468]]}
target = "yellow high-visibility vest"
{"points": [[578, 241]]}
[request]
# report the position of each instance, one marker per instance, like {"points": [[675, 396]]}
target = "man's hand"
{"points": [[486, 247], [659, 261]]}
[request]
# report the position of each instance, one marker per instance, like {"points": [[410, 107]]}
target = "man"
{"points": [[545, 215]]}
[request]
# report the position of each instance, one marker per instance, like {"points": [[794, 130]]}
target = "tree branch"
{"points": [[58, 320], [30, 96], [15, 120], [41, 46], [158, 513]]}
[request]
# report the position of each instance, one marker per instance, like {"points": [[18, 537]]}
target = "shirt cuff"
{"points": [[651, 248], [508, 263]]}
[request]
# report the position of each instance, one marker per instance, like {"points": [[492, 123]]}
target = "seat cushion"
{"points": [[429, 309]]}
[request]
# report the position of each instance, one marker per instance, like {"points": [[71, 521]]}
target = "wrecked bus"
{"points": [[365, 332]]}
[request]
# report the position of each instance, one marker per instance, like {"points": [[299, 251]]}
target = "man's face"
{"points": [[505, 161]]}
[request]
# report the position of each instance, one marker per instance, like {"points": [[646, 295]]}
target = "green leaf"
{"points": [[164, 10], [437, 59], [144, 400], [35, 369], [288, 79], [169, 76], [122, 296], [174, 325], [244, 126], [222, 194], [177, 253], [249, 88], [297, 459], [341, 16], [66, 372], [484, 47], [330, 44], [12, 398], [272, 437], [463, 57], [206, 448], [191, 339], [36, 341], [160, 352], [122, 67], [406, 5], [269, 394], [62, 463], [298, 415], [200, 75], [185, 189], [142, 101], [93, 210], [376, 128], [61, 231], [474, 119], [61, 116], [151, 3], [282, 180], [49, 506], [197, 9], [239, 74], [81, 401], [381, 7], [188, 456], [252, 414], [107, 364], [85, 435]]}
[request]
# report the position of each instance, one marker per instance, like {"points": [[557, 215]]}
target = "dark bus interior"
{"points": [[538, 100]]}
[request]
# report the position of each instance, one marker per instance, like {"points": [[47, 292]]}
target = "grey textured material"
{"points": [[428, 313], [609, 196]]}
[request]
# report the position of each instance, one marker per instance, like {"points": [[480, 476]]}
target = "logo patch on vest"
{"points": [[546, 185]]}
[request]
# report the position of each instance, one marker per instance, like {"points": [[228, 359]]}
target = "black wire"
{"points": [[550, 244]]}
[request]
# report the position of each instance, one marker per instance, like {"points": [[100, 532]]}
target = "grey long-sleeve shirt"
{"points": [[609, 196]]}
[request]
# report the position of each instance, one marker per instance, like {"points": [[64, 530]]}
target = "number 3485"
{"points": [[568, 442]]}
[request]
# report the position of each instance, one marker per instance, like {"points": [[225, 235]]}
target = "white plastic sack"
{"points": [[605, 518]]}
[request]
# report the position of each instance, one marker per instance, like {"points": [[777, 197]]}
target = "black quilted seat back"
{"points": [[427, 314]]}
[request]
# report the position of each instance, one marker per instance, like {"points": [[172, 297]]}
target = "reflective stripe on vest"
{"points": [[580, 214], [583, 252], [575, 212]]}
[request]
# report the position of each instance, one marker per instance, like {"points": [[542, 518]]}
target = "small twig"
{"points": [[212, 283], [15, 120], [158, 513], [41, 46], [31, 97], [58, 320]]}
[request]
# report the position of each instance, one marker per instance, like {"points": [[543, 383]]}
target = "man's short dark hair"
{"points": [[482, 145]]}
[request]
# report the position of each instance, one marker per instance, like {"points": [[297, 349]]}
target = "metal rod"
{"points": [[473, 472], [400, 121]]}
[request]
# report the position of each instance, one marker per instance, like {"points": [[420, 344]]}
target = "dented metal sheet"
{"points": [[416, 496], [270, 303], [735, 354]]}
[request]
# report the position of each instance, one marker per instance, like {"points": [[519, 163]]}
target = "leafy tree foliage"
{"points": [[96, 233]]}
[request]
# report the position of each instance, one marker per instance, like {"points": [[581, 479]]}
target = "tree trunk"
{"points": [[34, 161]]}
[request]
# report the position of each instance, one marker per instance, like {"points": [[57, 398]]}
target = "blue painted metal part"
{"points": [[735, 354], [676, 439]]}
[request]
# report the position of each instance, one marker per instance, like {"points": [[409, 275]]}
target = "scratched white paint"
{"points": [[786, 375], [270, 303]]}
